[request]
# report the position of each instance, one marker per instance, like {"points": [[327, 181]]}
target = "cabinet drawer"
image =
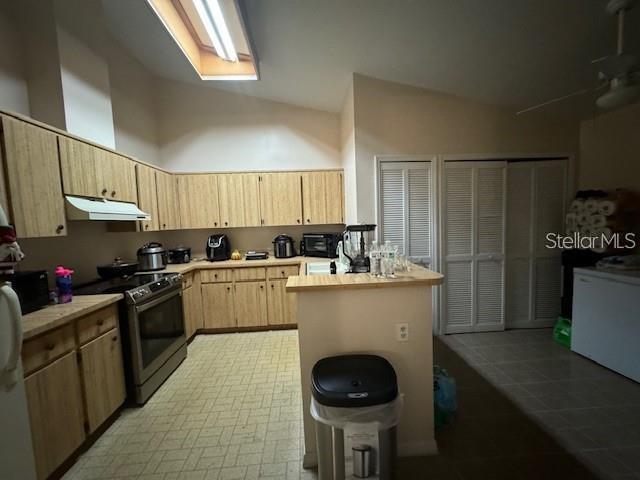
{"points": [[216, 275], [187, 280], [97, 323], [244, 274], [40, 351], [284, 271]]}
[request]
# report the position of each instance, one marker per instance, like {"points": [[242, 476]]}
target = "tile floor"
{"points": [[528, 409], [232, 410]]}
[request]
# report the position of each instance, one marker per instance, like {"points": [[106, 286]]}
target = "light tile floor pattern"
{"points": [[232, 410], [593, 412]]}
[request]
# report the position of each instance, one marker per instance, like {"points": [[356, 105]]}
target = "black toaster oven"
{"points": [[320, 244]]}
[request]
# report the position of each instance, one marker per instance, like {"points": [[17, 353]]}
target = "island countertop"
{"points": [[416, 275]]}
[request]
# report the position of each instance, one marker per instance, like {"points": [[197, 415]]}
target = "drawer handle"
{"points": [[282, 272], [297, 220], [114, 338], [228, 289], [272, 285], [60, 228], [104, 191], [261, 287], [113, 193], [100, 322], [215, 275], [226, 223], [50, 346]]}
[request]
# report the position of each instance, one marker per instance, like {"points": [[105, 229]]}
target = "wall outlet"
{"points": [[402, 332]]}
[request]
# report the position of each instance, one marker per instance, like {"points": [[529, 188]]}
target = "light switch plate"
{"points": [[402, 332]]}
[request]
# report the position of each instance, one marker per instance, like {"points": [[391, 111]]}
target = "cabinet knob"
{"points": [[215, 275], [50, 346], [272, 285], [104, 191], [59, 228], [113, 193], [146, 227], [297, 220], [100, 322], [308, 220], [226, 223], [228, 289], [164, 225], [215, 224], [261, 287], [282, 272], [114, 338]]}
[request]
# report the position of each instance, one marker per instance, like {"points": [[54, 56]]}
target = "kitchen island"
{"points": [[360, 313]]}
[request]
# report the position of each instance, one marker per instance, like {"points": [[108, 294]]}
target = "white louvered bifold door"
{"points": [[473, 245], [406, 206], [536, 198]]}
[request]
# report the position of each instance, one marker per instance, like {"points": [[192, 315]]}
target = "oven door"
{"points": [[157, 332]]}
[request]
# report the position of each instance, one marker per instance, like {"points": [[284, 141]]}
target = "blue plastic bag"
{"points": [[445, 401]]}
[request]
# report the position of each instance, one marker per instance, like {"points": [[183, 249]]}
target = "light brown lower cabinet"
{"points": [[192, 306], [250, 301], [281, 306], [56, 415], [102, 377], [218, 305]]}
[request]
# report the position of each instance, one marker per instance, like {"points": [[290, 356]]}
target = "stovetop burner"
{"points": [[119, 284]]}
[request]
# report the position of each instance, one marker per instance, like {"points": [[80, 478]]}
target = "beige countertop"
{"points": [[205, 264], [55, 316], [415, 276]]}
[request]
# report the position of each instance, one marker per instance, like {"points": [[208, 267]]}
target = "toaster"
{"points": [[218, 248]]}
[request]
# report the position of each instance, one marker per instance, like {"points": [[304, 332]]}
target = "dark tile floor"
{"points": [[531, 409]]}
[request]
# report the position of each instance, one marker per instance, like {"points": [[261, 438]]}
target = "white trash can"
{"points": [[356, 407]]}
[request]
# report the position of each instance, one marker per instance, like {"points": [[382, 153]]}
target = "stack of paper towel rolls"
{"points": [[604, 215]]}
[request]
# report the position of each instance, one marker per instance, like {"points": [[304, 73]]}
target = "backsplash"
{"points": [[89, 244]]}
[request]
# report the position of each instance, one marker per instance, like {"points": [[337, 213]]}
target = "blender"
{"points": [[359, 261]]}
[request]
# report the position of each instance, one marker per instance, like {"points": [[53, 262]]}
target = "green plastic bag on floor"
{"points": [[445, 400], [562, 332]]}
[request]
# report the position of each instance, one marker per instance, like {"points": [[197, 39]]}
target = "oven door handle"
{"points": [[157, 301]]}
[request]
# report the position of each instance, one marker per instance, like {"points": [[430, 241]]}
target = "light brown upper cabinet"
{"points": [[34, 197], [147, 197], [89, 171], [168, 206], [198, 196], [239, 199], [281, 198], [322, 197]]}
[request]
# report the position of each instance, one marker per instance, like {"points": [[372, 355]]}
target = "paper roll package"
{"points": [[577, 206], [591, 206], [598, 221], [607, 207]]}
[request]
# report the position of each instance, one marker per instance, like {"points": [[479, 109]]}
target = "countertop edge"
{"points": [[46, 325]]}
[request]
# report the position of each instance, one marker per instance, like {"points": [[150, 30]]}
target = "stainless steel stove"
{"points": [[152, 328]]}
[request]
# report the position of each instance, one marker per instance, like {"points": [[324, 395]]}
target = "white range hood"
{"points": [[100, 209]]}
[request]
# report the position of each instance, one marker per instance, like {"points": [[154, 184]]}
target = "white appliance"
{"points": [[605, 325], [16, 451]]}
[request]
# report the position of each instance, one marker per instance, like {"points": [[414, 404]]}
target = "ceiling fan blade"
{"points": [[559, 99]]}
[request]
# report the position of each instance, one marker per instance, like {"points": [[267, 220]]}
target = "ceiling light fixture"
{"points": [[215, 25]]}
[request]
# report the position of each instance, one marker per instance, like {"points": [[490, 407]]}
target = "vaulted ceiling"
{"points": [[512, 53]]}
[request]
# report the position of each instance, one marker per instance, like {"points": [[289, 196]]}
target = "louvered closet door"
{"points": [[473, 221], [550, 199], [406, 206], [536, 205]]}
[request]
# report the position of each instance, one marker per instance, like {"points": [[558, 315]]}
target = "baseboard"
{"points": [[310, 460], [418, 449]]}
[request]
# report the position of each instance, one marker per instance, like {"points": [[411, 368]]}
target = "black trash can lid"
{"points": [[353, 381]]}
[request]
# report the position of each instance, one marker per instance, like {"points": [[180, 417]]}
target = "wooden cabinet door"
{"points": [[191, 303], [218, 305], [147, 197], [334, 197], [313, 198], [168, 207], [239, 199], [281, 198], [322, 197], [103, 377], [198, 197], [78, 164], [56, 414], [281, 306], [250, 300], [33, 180], [118, 177]]}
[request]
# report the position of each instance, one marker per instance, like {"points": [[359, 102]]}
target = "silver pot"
{"points": [[283, 247], [152, 256]]}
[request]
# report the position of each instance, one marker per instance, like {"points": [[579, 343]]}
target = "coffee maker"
{"points": [[359, 261]]}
